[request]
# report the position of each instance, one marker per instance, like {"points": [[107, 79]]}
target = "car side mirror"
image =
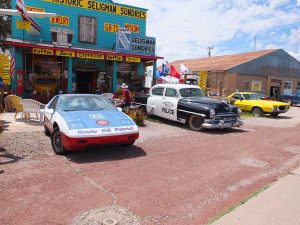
{"points": [[177, 95]]}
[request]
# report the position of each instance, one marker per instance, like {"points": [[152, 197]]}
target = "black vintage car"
{"points": [[188, 104]]}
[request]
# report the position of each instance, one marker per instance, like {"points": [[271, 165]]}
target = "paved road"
{"points": [[172, 176]]}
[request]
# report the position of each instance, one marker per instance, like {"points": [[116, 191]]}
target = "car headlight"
{"points": [[275, 107], [34, 92], [212, 113]]}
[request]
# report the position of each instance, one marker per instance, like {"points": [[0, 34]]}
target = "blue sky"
{"points": [[184, 29]]}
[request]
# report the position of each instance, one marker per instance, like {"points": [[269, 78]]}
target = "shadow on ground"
{"points": [[32, 122], [106, 153], [6, 158], [3, 125]]}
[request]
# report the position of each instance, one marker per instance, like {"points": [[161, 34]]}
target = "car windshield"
{"points": [[251, 96], [191, 92], [84, 103]]}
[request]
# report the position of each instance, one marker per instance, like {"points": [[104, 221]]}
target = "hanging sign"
{"points": [[90, 56], [114, 57], [23, 25], [65, 53], [142, 45], [42, 51], [132, 59]]}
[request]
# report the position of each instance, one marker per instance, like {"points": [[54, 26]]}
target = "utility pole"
{"points": [[255, 43], [209, 50]]}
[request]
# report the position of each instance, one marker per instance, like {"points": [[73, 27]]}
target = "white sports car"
{"points": [[77, 121]]}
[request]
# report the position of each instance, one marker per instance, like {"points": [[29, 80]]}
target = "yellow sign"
{"points": [[132, 59], [42, 51], [34, 9], [103, 7], [61, 20], [90, 56], [23, 25], [65, 53], [202, 80], [256, 86], [114, 57], [133, 28], [109, 27]]}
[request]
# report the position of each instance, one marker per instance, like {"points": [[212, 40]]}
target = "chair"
{"points": [[16, 102]]}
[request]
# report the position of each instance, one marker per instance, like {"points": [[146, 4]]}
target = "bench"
{"points": [[32, 106]]}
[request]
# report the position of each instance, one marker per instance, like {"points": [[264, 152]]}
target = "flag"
{"points": [[158, 73], [165, 70], [12, 64], [184, 69], [174, 73]]}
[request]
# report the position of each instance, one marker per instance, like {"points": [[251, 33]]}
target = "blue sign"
{"points": [[134, 43], [123, 40], [142, 45]]}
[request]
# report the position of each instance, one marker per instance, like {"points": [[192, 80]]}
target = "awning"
{"points": [[78, 52]]}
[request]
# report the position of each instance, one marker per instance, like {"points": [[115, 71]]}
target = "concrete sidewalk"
{"points": [[277, 205]]}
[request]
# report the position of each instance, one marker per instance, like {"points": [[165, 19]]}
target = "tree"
{"points": [[5, 22]]}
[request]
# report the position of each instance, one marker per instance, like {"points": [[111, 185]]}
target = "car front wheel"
{"points": [[256, 111], [56, 142], [195, 123]]}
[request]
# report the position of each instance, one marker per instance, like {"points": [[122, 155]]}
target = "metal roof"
{"points": [[220, 63]]}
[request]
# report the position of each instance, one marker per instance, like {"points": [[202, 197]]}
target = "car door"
{"points": [[48, 113], [169, 104], [154, 103], [238, 100]]}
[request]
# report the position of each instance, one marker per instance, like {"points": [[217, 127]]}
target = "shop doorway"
{"points": [[86, 82], [275, 92]]}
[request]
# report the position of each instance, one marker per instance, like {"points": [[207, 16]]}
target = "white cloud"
{"points": [[186, 29]]}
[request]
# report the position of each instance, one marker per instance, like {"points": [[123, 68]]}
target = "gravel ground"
{"points": [[27, 140]]}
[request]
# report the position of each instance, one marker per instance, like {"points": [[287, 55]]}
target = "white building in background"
{"points": [[149, 76]]}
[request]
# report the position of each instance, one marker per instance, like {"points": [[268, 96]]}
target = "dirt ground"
{"points": [[171, 176]]}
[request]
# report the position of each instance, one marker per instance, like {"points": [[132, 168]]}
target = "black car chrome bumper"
{"points": [[222, 121], [222, 125]]}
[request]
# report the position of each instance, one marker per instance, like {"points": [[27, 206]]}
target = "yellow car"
{"points": [[250, 102]]}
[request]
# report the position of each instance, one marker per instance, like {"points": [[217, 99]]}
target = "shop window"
{"points": [[158, 91], [87, 29], [246, 86], [288, 85], [298, 84]]}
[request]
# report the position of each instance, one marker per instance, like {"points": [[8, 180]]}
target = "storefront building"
{"points": [[87, 45], [272, 72]]}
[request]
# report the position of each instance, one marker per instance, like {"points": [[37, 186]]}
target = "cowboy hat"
{"points": [[124, 85]]}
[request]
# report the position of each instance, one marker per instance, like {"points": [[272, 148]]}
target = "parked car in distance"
{"points": [[44, 87], [188, 104], [292, 99], [250, 102], [77, 121], [264, 97]]}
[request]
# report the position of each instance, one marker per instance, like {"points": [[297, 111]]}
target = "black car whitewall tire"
{"points": [[195, 122], [256, 111], [56, 142]]}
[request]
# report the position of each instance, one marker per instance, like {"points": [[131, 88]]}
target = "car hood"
{"points": [[265, 103], [95, 119], [208, 103]]}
